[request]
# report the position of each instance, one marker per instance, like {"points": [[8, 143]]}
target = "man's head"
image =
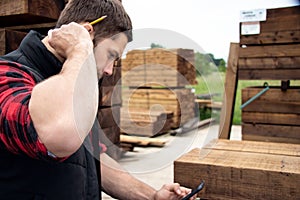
{"points": [[80, 11], [110, 36]]}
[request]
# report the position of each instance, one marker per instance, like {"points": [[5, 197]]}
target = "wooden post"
{"points": [[230, 91]]}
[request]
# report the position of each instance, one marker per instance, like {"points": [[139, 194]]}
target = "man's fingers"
{"points": [[50, 33], [175, 187]]}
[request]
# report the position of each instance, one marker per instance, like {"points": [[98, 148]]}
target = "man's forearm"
{"points": [[120, 184]]}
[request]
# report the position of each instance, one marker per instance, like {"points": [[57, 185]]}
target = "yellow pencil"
{"points": [[98, 20]]}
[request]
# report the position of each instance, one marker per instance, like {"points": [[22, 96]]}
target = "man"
{"points": [[48, 104]]}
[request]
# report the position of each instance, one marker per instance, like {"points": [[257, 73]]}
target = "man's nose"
{"points": [[108, 70]]}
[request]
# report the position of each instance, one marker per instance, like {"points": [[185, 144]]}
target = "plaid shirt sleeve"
{"points": [[17, 133]]}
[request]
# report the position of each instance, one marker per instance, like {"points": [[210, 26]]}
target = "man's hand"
{"points": [[172, 191], [71, 39]]}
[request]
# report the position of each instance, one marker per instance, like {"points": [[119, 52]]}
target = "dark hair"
{"points": [[117, 20]]}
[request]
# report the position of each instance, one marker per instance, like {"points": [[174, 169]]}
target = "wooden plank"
{"points": [[179, 101], [269, 74], [145, 114], [233, 172], [273, 94], [254, 147], [143, 141], [281, 26], [270, 63], [270, 51], [110, 137], [274, 37], [113, 134], [164, 67], [282, 23], [273, 107], [109, 116], [271, 118], [271, 133], [40, 27], [110, 95], [10, 40], [264, 138], [20, 12], [229, 93], [148, 129], [145, 122], [276, 13]]}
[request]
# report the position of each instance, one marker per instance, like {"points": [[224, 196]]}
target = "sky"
{"points": [[210, 24]]}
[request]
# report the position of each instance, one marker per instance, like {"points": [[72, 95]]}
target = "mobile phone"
{"points": [[195, 191]]}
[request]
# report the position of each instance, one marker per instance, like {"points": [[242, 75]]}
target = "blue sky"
{"points": [[212, 24]]}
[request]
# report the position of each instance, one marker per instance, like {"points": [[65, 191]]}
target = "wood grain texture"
{"points": [[282, 26], [22, 12], [10, 40], [159, 67], [231, 80], [242, 170]]}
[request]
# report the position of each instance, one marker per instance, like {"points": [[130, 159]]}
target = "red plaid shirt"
{"points": [[17, 133]]}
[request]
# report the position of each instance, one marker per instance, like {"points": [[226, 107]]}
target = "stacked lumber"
{"points": [[129, 142], [18, 17], [10, 40], [159, 67], [274, 53], [274, 116], [20, 12], [236, 170], [179, 101], [155, 80], [145, 122], [110, 102]]}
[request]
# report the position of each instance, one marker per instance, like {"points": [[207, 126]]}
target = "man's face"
{"points": [[107, 52]]}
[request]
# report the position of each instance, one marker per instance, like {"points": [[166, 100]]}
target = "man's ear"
{"points": [[90, 29]]}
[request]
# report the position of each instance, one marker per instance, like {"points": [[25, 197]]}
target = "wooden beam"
{"points": [[10, 40], [235, 170], [231, 79], [269, 74], [20, 12]]}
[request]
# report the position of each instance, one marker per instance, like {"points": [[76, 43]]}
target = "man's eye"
{"points": [[111, 56]]}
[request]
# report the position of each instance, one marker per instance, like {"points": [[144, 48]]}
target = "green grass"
{"points": [[210, 84], [213, 84]]}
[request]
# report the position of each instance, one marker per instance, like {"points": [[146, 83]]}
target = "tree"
{"points": [[153, 45], [207, 63]]}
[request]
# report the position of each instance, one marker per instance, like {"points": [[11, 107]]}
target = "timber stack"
{"points": [[110, 103], [273, 54], [264, 165], [155, 81], [18, 17], [237, 170]]}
